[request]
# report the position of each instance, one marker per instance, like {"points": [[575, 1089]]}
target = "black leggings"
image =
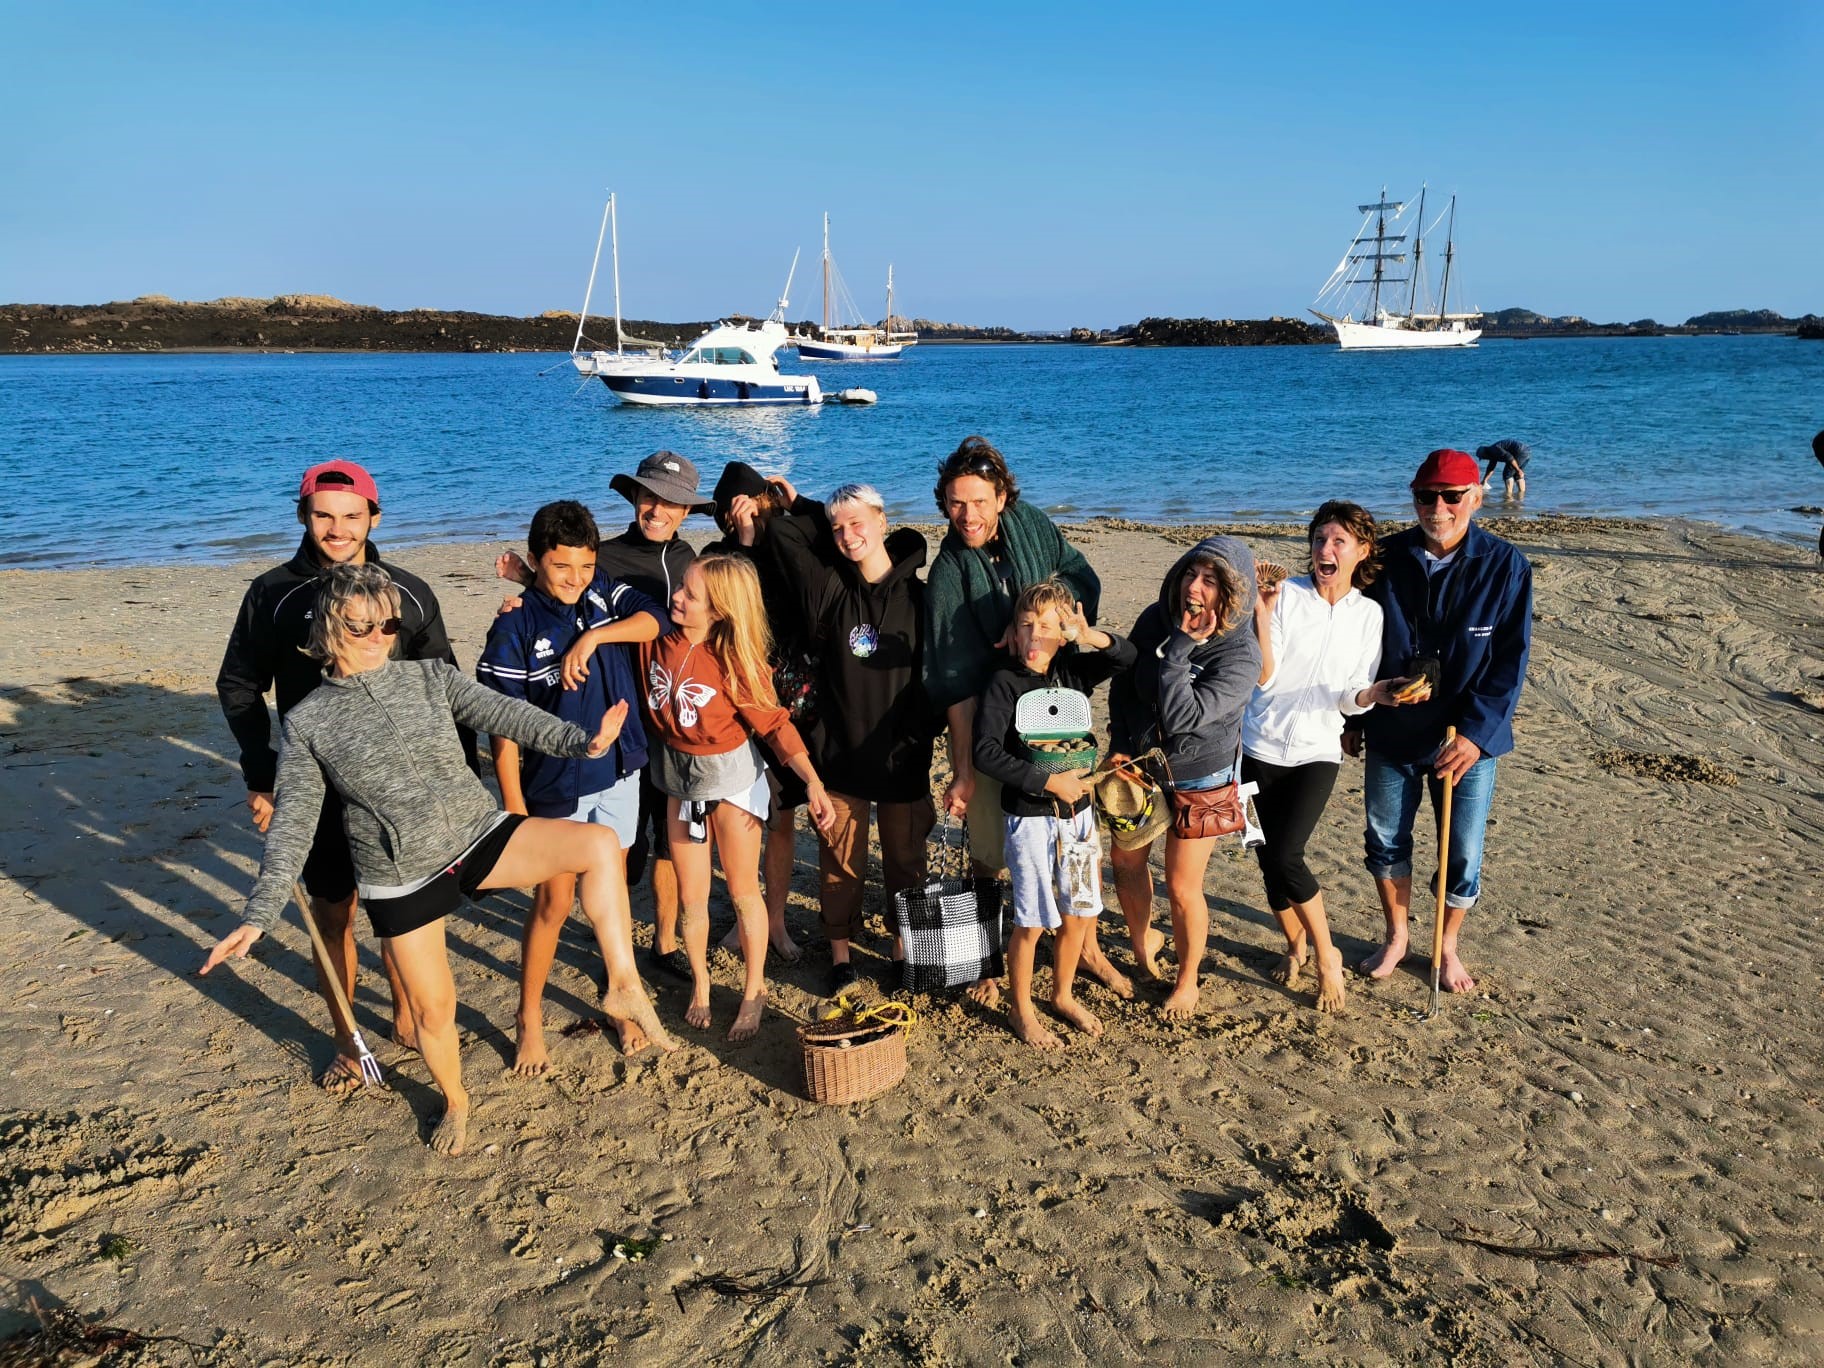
{"points": [[1290, 800]]}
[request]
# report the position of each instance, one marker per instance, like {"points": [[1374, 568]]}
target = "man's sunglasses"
{"points": [[390, 627], [1427, 497], [970, 465]]}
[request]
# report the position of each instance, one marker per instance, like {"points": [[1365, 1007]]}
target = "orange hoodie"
{"points": [[688, 707]]}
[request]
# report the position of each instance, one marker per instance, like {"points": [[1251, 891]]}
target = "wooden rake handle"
{"points": [[1437, 923]]}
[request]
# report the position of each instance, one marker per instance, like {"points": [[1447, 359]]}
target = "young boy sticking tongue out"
{"points": [[1053, 646]]}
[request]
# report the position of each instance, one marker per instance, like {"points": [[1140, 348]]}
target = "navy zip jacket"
{"points": [[1481, 634], [266, 651], [524, 658]]}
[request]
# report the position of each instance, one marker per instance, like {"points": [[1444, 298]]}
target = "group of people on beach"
{"points": [[648, 706]]}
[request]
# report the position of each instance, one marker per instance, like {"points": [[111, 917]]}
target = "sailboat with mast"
{"points": [[591, 362], [1362, 299], [855, 341]]}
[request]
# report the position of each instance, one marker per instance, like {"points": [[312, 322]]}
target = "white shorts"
{"points": [[1032, 861], [616, 807]]}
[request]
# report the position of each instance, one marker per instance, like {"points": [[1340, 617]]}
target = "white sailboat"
{"points": [[1361, 299], [855, 341], [591, 362]]}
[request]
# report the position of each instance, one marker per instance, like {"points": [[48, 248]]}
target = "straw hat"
{"points": [[1135, 813]]}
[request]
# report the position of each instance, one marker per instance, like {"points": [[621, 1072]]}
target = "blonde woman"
{"points": [[423, 831], [709, 695], [1198, 663]]}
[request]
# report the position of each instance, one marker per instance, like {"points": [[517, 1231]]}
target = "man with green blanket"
{"points": [[997, 545]]}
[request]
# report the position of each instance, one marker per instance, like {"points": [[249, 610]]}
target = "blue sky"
{"points": [[1034, 165]]}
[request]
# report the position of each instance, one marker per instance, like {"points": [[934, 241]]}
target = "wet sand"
{"points": [[1610, 1153]]}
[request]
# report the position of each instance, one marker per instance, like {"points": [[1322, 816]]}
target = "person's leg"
{"points": [[1469, 806], [654, 846], [738, 836], [1072, 936], [336, 920], [424, 970], [781, 858], [1026, 1024], [1390, 803], [551, 906], [541, 849], [903, 828], [987, 825], [1270, 797], [842, 855], [690, 859], [1303, 792], [1185, 862], [1134, 891]]}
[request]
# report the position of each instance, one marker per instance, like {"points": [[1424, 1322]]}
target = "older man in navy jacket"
{"points": [[1457, 602]]}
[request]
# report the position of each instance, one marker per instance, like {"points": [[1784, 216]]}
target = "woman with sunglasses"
{"points": [[1457, 606], [423, 832]]}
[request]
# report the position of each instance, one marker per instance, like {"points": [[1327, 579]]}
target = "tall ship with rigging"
{"points": [[1365, 302], [854, 341]]}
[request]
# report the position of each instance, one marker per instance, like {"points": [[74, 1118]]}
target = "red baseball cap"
{"points": [[339, 477], [1448, 468]]}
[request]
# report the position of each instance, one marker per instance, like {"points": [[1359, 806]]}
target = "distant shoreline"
{"points": [[153, 324]]}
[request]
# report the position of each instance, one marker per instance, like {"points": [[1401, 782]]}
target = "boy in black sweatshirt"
{"points": [[1047, 812]]}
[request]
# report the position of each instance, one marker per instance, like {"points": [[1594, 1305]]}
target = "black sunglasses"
{"points": [[970, 465], [1425, 498], [390, 627]]}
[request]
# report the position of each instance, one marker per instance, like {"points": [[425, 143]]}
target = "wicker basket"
{"points": [[846, 1060]]}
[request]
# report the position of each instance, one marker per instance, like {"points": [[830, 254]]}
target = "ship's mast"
{"points": [[889, 327], [1418, 256], [583, 318], [1450, 253], [1380, 254], [826, 272], [614, 228]]}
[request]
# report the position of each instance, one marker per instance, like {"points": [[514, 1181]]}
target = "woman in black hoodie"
{"points": [[1198, 663], [861, 610]]}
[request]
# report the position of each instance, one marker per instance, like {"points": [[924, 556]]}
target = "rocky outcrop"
{"points": [[1224, 332], [296, 322], [1811, 328]]}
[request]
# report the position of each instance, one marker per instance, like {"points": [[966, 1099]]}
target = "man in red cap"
{"points": [[1456, 606], [339, 505]]}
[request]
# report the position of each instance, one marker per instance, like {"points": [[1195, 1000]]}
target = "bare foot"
{"points": [[632, 1004], [986, 992], [1454, 975], [1148, 959], [405, 1035], [452, 1132], [786, 948], [1182, 1004], [530, 1059], [1287, 969], [747, 1020], [1111, 978], [1330, 982], [1078, 1015], [1033, 1031], [633, 1039], [1385, 960], [697, 1014], [342, 1077]]}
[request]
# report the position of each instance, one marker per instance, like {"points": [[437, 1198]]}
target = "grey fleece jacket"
{"points": [[1188, 695], [386, 739]]}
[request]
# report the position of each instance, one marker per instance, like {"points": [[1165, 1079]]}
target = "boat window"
{"points": [[721, 356]]}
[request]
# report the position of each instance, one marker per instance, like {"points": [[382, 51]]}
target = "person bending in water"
{"points": [[423, 832]]}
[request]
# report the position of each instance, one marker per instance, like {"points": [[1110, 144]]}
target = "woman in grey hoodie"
{"points": [[1198, 663], [423, 831]]}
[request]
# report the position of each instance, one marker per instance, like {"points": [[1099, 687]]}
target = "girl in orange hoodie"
{"points": [[709, 698]]}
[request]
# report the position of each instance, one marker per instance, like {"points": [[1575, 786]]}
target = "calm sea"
{"points": [[195, 458]]}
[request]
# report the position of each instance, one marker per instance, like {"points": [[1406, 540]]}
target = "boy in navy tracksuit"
{"points": [[563, 649], [1456, 602]]}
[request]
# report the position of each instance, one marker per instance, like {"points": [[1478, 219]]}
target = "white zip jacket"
{"points": [[1323, 657]]}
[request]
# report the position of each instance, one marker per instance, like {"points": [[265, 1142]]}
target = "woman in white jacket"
{"points": [[1320, 647]]}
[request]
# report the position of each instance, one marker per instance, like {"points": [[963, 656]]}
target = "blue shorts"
{"points": [[616, 807]]}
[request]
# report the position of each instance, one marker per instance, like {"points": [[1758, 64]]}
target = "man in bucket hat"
{"points": [[651, 558], [1456, 605], [339, 505]]}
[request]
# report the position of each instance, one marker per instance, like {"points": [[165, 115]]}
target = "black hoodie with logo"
{"points": [[873, 726], [654, 568]]}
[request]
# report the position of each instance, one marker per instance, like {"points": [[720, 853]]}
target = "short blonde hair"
{"points": [[1051, 592], [344, 586], [864, 494]]}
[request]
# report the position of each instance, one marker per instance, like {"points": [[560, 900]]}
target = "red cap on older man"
{"points": [[1449, 469], [339, 477]]}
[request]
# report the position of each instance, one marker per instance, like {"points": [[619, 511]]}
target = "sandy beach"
{"points": [[1611, 1153]]}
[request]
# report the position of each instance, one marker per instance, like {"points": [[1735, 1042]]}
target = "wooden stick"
{"points": [[1437, 925], [370, 1067]]}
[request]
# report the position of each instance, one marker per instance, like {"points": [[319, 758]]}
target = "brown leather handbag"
{"points": [[1200, 814]]}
